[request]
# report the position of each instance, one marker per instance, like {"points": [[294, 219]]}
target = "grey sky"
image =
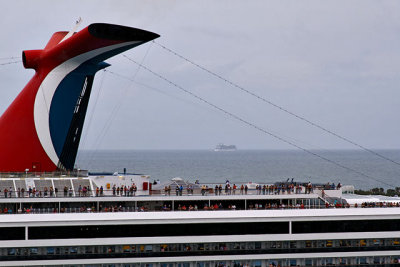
{"points": [[334, 62]]}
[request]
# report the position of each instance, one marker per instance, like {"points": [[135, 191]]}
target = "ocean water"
{"points": [[263, 166]]}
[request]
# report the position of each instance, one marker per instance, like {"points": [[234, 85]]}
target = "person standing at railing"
{"points": [[114, 188], [130, 191], [180, 190], [134, 189]]}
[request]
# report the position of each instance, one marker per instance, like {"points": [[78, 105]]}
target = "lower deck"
{"points": [[333, 252], [222, 261]]}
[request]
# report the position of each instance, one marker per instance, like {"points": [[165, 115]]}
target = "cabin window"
{"points": [[11, 251]]}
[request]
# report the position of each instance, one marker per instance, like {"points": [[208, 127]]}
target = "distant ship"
{"points": [[223, 147]]}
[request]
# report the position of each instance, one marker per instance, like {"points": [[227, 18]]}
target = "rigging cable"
{"points": [[5, 58], [116, 108], [89, 123], [250, 124], [11, 62], [278, 106], [193, 103]]}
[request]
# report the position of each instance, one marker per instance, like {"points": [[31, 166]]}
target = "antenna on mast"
{"points": [[71, 32]]}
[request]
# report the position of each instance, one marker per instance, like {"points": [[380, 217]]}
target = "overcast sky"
{"points": [[336, 63]]}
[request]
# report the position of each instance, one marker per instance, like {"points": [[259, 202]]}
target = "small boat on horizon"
{"points": [[223, 147]]}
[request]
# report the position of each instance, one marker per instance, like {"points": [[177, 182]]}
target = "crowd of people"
{"points": [[81, 191], [244, 189], [180, 189], [194, 206], [273, 189]]}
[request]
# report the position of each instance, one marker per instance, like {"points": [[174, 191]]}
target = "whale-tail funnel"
{"points": [[40, 131]]}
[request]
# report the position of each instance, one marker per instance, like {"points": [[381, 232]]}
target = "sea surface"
{"points": [[263, 166]]}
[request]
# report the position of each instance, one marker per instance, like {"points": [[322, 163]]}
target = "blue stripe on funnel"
{"points": [[63, 104]]}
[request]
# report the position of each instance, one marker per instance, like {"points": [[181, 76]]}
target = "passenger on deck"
{"points": [[130, 191], [180, 190], [134, 189], [203, 190]]}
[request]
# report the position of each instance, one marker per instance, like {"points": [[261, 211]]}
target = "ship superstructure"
{"points": [[41, 129], [165, 227]]}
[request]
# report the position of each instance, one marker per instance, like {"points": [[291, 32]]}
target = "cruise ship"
{"points": [[53, 215], [223, 147], [125, 220]]}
